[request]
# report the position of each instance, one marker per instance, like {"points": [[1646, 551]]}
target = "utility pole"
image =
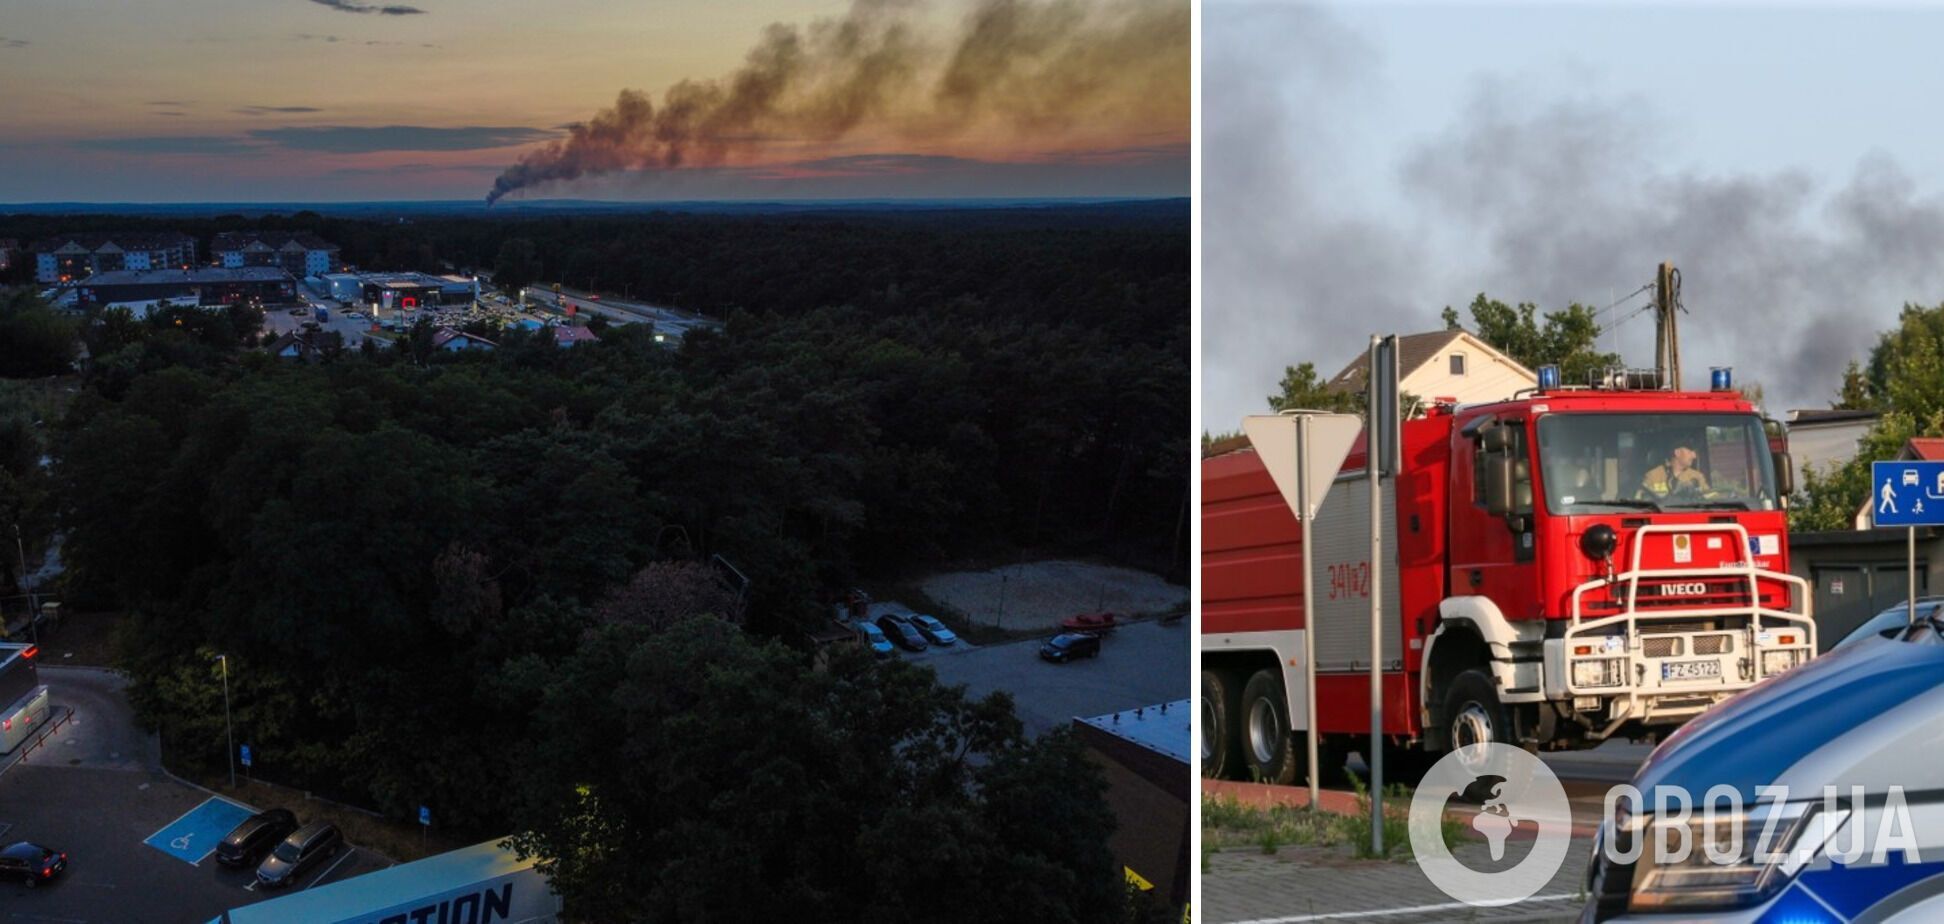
{"points": [[229, 731], [1667, 338], [27, 584]]}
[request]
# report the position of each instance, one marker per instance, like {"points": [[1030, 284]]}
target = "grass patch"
{"points": [[1228, 823], [397, 840]]}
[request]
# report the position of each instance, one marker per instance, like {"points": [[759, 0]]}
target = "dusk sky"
{"points": [[335, 100]]}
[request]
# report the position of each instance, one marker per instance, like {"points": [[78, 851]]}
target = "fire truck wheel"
{"points": [[1267, 746], [1220, 754], [1473, 714]]}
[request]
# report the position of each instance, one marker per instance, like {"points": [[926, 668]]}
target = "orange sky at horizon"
{"points": [[241, 100]]}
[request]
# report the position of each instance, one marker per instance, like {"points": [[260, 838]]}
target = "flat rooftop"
{"points": [[1162, 728], [194, 276]]}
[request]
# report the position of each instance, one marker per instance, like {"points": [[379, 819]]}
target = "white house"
{"points": [[457, 340], [1446, 365]]}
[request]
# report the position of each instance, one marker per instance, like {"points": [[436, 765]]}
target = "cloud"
{"points": [[352, 139], [312, 37], [169, 103], [170, 112], [347, 6], [274, 110], [203, 145], [1527, 193], [6, 42]]}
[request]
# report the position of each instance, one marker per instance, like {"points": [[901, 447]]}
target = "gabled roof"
{"points": [[567, 335], [1927, 448], [446, 335], [273, 240], [1413, 351], [126, 240]]}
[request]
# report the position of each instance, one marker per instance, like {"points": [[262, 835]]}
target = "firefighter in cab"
{"points": [[1676, 475]]}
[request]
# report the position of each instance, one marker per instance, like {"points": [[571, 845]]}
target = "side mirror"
{"points": [[1498, 486], [1784, 475]]}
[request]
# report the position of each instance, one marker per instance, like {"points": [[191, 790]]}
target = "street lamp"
{"points": [[229, 732]]}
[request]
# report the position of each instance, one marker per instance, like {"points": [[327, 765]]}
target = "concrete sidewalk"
{"points": [[1244, 886]]}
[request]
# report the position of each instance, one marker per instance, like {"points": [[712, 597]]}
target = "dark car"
{"points": [[249, 841], [31, 863], [1069, 645], [901, 632], [303, 849]]}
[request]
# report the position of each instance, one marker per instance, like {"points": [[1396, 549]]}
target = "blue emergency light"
{"points": [[1721, 378], [1548, 377]]}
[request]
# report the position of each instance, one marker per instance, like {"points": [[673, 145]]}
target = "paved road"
{"points": [[96, 791], [1139, 665]]}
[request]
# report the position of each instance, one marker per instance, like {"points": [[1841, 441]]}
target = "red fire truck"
{"points": [[1556, 569]]}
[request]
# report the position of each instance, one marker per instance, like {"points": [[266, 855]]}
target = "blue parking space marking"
{"points": [[193, 837]]}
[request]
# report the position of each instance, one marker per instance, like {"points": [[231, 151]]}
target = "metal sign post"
{"points": [[1381, 454], [1301, 449], [1907, 493]]}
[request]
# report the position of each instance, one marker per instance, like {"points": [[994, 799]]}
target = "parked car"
{"points": [[1089, 622], [300, 311], [246, 843], [933, 630], [1890, 623], [1070, 645], [31, 863], [303, 849], [901, 632], [874, 637]]}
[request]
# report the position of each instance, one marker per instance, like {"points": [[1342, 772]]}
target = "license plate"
{"points": [[1690, 670]]}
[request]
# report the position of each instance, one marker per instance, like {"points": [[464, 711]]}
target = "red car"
{"points": [[1089, 622]]}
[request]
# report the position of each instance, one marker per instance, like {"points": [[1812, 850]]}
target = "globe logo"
{"points": [[1516, 794]]}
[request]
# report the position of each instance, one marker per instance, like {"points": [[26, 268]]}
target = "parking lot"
{"points": [[1140, 664], [137, 840]]}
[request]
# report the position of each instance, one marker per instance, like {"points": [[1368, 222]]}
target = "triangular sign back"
{"points": [[1276, 437]]}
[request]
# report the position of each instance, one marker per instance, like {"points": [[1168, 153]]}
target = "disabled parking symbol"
{"points": [[192, 837]]}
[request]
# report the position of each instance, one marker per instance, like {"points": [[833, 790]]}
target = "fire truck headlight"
{"points": [[1775, 662], [1599, 672]]}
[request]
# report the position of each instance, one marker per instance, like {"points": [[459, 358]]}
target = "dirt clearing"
{"points": [[1038, 595]]}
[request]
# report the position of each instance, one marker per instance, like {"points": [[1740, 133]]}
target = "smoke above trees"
{"points": [[1030, 73]]}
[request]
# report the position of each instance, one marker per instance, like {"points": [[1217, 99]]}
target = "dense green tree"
{"points": [[35, 340], [1301, 388], [517, 266], [1905, 381], [679, 790], [1568, 339]]}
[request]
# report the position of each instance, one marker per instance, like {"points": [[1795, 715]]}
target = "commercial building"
{"points": [[205, 286], [483, 884], [71, 257], [400, 290], [1144, 754], [298, 253]]}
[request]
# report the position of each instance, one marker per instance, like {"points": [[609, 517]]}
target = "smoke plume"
{"points": [[1020, 70], [1527, 195]]}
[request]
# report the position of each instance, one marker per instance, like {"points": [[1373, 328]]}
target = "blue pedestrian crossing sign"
{"points": [[425, 815], [1907, 493], [245, 758]]}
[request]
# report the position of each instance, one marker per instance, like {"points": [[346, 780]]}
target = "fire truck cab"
{"points": [[1557, 568]]}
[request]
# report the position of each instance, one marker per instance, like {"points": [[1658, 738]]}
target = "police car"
{"points": [[1839, 768]]}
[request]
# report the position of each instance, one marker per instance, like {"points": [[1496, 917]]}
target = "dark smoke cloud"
{"points": [[1528, 197], [346, 6], [1017, 67]]}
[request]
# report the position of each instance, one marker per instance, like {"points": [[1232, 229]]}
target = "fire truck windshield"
{"points": [[1592, 463]]}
